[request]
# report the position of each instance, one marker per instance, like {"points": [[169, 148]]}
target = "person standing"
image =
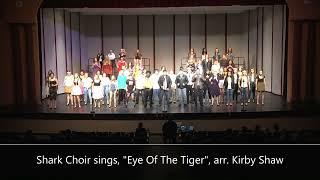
{"points": [[214, 88], [215, 68], [206, 89], [229, 54], [138, 56], [122, 53], [106, 67], [155, 86], [47, 87], [198, 82], [229, 86], [105, 84], [236, 84], [206, 63], [216, 54], [221, 78], [190, 93], [122, 86], [165, 84], [113, 92], [121, 64], [192, 57], [244, 85], [130, 88], [53, 88], [148, 89], [87, 86], [76, 90], [260, 87], [100, 58], [97, 92], [139, 87], [112, 58], [252, 91], [181, 84], [95, 67], [173, 88], [68, 84]]}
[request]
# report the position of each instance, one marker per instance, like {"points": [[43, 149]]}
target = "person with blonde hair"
{"points": [[113, 92], [76, 90]]}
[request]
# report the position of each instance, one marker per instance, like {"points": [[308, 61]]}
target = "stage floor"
{"points": [[274, 106]]}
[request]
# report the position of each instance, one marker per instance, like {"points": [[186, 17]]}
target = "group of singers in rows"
{"points": [[114, 81]]}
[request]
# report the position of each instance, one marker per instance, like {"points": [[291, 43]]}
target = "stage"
{"points": [[275, 106]]}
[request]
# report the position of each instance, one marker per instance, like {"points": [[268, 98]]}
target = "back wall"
{"points": [[69, 39]]}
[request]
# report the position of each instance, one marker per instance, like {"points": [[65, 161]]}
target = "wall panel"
{"points": [[260, 38], [75, 40], [181, 39], [61, 51], [267, 46], [68, 39], [277, 50], [164, 41], [237, 35], [215, 32], [197, 33], [253, 40], [130, 34], [112, 33], [146, 38], [43, 64], [93, 38]]}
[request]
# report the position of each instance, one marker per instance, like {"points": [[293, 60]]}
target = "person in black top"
{"points": [[122, 53], [207, 77], [100, 58], [141, 135], [165, 84], [169, 130], [53, 88], [181, 83], [198, 82]]}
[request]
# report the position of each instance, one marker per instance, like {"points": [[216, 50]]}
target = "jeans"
{"points": [[182, 93], [156, 93], [87, 93], [106, 93], [235, 92], [173, 95], [229, 95], [252, 93], [244, 95], [165, 94]]}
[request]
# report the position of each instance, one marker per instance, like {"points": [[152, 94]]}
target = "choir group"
{"points": [[113, 81]]}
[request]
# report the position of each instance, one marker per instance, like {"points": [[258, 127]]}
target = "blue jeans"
{"points": [[156, 93], [164, 94], [182, 93], [87, 93], [244, 95], [229, 95], [106, 93]]}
